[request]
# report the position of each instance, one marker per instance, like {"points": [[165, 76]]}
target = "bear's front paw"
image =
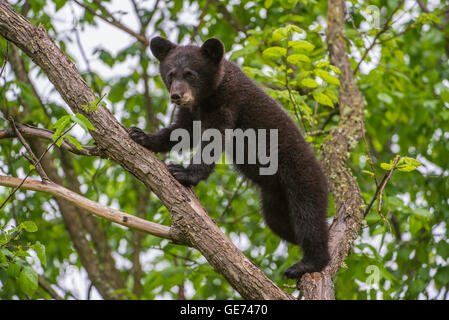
{"points": [[137, 135], [182, 174]]}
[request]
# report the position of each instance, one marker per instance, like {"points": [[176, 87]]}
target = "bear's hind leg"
{"points": [[276, 215], [311, 234]]}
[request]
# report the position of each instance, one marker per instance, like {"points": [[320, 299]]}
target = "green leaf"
{"points": [[40, 251], [28, 281], [268, 3], [422, 212], [443, 249], [274, 52], [60, 122], [296, 58], [386, 166], [305, 45], [321, 98], [13, 270], [75, 142], [369, 172], [322, 64], [405, 164], [309, 83], [60, 126], [29, 226], [408, 164], [385, 98], [428, 18], [59, 3], [83, 122], [445, 95], [442, 275], [326, 76], [334, 69]]}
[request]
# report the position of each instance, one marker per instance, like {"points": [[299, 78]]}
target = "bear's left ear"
{"points": [[214, 49], [160, 47]]}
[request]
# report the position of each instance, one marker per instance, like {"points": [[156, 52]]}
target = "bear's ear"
{"points": [[214, 49], [160, 47]]}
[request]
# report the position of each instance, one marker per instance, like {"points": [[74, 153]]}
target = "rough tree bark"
{"points": [[334, 155], [190, 221]]}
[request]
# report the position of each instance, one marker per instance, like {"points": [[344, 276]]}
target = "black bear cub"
{"points": [[210, 89]]}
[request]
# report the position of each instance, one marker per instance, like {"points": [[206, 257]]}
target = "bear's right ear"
{"points": [[214, 49], [160, 47]]}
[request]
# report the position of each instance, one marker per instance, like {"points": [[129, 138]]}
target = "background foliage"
{"points": [[281, 45]]}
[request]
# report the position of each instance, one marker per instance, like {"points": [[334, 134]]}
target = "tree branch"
{"points": [[114, 22], [33, 132], [382, 31], [34, 161], [93, 207]]}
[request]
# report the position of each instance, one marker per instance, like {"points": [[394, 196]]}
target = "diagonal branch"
{"points": [[93, 207], [111, 20]]}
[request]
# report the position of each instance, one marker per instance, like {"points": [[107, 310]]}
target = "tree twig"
{"points": [[34, 161], [200, 20], [113, 22], [38, 162], [234, 195], [379, 209], [47, 287], [380, 188], [382, 31], [34, 132]]}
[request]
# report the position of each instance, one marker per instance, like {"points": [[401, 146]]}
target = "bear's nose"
{"points": [[175, 97]]}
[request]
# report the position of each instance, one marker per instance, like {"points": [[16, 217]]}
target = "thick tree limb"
{"points": [[93, 207], [190, 221], [334, 155]]}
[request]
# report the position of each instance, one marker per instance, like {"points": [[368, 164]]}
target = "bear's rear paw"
{"points": [[298, 270]]}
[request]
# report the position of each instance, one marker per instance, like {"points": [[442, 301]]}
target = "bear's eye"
{"points": [[189, 75], [170, 76]]}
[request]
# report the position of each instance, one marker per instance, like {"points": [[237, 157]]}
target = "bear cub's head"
{"points": [[190, 73]]}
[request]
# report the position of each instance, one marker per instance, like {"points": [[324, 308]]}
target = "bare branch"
{"points": [[33, 132], [113, 22], [47, 287], [382, 31], [93, 207], [229, 18]]}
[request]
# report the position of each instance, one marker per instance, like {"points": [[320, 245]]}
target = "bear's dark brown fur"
{"points": [[208, 88]]}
